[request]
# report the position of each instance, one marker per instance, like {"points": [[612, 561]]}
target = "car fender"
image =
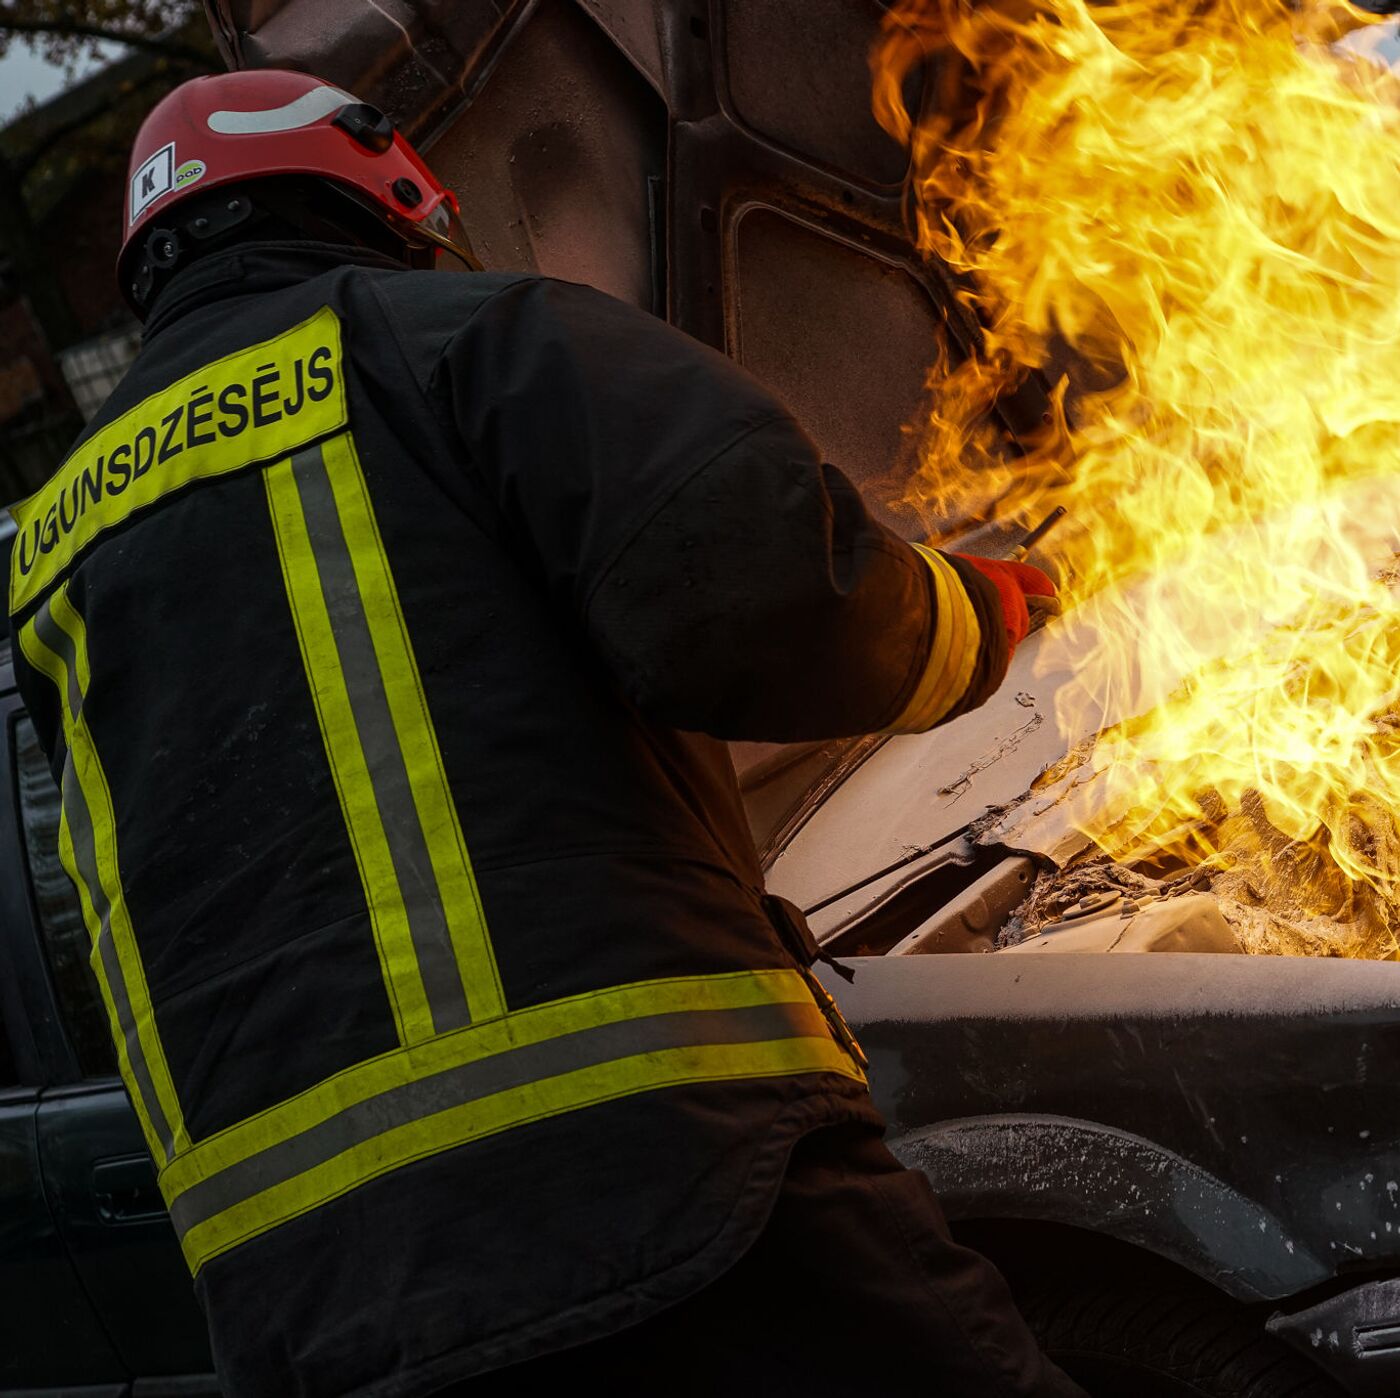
{"points": [[1083, 1174]]}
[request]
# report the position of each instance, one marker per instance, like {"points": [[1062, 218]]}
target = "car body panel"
{"points": [[50, 1335], [102, 1185], [1152, 1097], [922, 790]]}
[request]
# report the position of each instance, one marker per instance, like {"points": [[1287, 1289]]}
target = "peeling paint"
{"points": [[961, 783]]}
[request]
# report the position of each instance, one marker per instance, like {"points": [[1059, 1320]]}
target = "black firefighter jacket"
{"points": [[382, 630]]}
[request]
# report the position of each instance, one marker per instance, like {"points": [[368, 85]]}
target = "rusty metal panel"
{"points": [[782, 269], [819, 106], [415, 59], [563, 176]]}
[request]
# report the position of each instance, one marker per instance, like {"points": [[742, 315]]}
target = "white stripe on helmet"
{"points": [[309, 107]]}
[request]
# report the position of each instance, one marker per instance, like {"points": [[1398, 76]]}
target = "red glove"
{"points": [[1015, 582]]}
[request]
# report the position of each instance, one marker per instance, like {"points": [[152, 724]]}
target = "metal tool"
{"points": [[1033, 536], [1040, 609]]}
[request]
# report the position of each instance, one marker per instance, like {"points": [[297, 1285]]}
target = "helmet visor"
{"points": [[444, 230]]}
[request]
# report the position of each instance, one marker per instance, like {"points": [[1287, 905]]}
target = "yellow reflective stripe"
{"points": [[419, 886], [54, 641], [957, 640], [89, 797], [91, 921], [474, 1120], [535, 1024], [531, 1064], [432, 797], [388, 916], [255, 404]]}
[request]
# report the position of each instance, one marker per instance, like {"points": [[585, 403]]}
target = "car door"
{"points": [[52, 1341], [92, 1160]]}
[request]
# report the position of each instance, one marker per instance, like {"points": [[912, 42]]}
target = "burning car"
{"points": [[1123, 940], [1135, 262]]}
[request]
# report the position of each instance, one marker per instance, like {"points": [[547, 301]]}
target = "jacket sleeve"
{"points": [[732, 581]]}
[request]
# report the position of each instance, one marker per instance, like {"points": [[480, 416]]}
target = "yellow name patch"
{"points": [[257, 404]]}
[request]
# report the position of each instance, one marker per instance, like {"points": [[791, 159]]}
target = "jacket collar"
{"points": [[249, 269]]}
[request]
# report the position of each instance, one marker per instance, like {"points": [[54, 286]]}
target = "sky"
{"points": [[25, 75]]}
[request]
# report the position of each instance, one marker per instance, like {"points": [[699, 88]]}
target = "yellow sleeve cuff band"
{"points": [[957, 642]]}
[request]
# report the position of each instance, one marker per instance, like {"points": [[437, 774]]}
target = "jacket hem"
{"points": [[606, 1315]]}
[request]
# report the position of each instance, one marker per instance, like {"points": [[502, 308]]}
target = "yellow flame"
{"points": [[1188, 218]]}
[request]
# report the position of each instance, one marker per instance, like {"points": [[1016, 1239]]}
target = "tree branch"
{"points": [[22, 164], [152, 43]]}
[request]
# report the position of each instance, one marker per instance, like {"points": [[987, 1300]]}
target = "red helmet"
{"points": [[234, 127]]}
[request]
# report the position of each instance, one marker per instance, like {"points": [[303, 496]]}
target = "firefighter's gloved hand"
{"points": [[1015, 582]]}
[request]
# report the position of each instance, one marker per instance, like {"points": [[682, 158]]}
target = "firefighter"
{"points": [[383, 630]]}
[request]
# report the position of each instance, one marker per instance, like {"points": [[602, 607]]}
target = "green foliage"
{"points": [[68, 32]]}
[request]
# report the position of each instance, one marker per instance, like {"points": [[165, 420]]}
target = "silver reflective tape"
{"points": [[470, 1082], [302, 111], [393, 794], [61, 643]]}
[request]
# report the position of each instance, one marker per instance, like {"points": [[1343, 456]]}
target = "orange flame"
{"points": [[1188, 218]]}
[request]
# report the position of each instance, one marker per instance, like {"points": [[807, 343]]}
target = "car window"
{"points": [[60, 915]]}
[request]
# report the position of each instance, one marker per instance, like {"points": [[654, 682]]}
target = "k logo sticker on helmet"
{"points": [[153, 178]]}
